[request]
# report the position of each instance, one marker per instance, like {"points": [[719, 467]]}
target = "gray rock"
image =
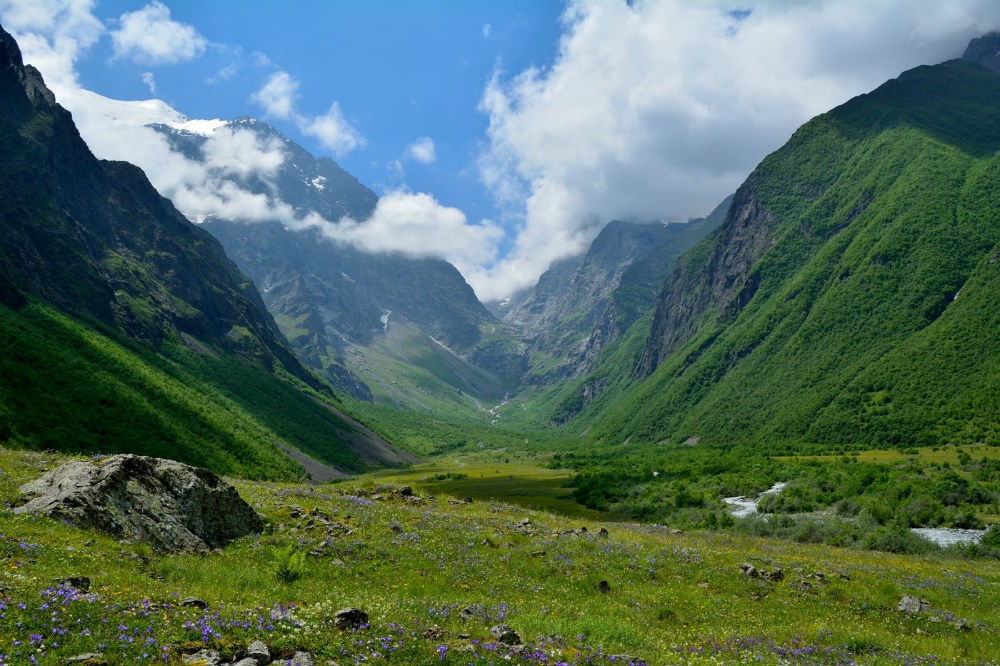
{"points": [[88, 656], [350, 618], [172, 506], [78, 583], [202, 658], [194, 602], [505, 635], [912, 605], [474, 612], [259, 652], [248, 661], [301, 659]]}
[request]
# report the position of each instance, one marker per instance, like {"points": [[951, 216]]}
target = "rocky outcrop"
{"points": [[985, 51], [172, 506]]}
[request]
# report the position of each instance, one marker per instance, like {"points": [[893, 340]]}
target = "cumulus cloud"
{"points": [[278, 98], [333, 131], [417, 224], [150, 81], [277, 95], [52, 34], [150, 36], [659, 109], [422, 150]]}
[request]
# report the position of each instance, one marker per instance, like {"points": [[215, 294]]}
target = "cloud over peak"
{"points": [[278, 97]]}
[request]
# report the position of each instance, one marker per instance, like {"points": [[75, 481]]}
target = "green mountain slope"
{"points": [[847, 299], [126, 328]]}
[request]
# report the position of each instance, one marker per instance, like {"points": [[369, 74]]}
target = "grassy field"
{"points": [[435, 576], [522, 479]]}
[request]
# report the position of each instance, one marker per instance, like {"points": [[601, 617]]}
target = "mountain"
{"points": [[405, 330], [581, 304], [849, 296], [126, 328]]}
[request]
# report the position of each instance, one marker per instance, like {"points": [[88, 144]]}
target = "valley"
{"points": [[564, 476]]}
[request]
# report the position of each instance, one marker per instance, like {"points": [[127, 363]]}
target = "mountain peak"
{"points": [[26, 75], [985, 51]]}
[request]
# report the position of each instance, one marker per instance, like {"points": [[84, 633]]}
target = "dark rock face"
{"points": [[94, 237], [723, 284], [172, 506], [583, 303], [985, 51]]}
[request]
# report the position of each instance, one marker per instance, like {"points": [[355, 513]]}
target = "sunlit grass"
{"points": [[415, 563]]}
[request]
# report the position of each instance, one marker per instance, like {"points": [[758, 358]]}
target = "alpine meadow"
{"points": [[255, 411]]}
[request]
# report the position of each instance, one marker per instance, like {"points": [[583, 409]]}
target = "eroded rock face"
{"points": [[172, 506]]}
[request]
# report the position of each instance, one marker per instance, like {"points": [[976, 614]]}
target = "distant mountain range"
{"points": [[410, 331], [849, 296], [842, 297]]}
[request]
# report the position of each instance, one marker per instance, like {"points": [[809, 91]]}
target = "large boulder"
{"points": [[172, 506]]}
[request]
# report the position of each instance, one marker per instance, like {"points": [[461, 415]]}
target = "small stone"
{"points": [[259, 652], [603, 533], [912, 605], [202, 658], [90, 657], [350, 618], [405, 491], [474, 612], [749, 570], [194, 602], [301, 659], [505, 635], [603, 587], [78, 583]]}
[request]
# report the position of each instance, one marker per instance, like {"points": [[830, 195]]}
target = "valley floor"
{"points": [[436, 574]]}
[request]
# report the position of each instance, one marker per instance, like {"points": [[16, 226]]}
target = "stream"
{"points": [[942, 536]]}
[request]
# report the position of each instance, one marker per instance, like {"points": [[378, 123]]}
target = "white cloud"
{"points": [[333, 131], [150, 36], [487, 31], [416, 224], [150, 81], [422, 150], [52, 34], [277, 95], [659, 109]]}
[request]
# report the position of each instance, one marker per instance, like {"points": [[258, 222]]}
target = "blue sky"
{"points": [[398, 70], [501, 135]]}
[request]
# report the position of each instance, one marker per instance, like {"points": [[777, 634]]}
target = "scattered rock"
{"points": [[350, 618], [505, 635], [202, 658], [194, 602], [435, 633], [603, 533], [78, 583], [172, 506], [90, 658], [774, 576], [405, 491], [749, 570], [301, 659], [912, 605], [603, 587], [474, 612], [259, 652], [538, 553]]}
